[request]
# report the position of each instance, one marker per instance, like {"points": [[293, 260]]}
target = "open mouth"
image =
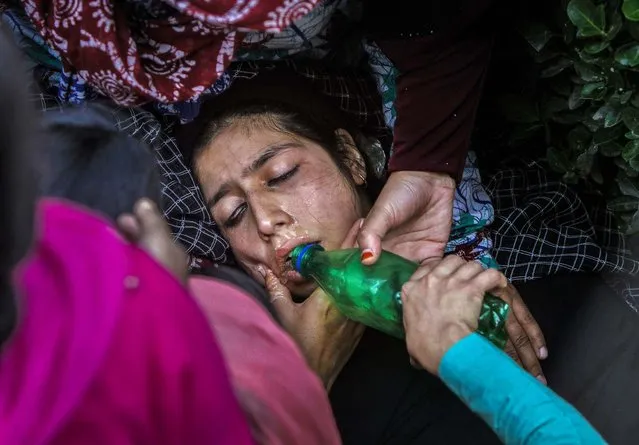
{"points": [[285, 263]]}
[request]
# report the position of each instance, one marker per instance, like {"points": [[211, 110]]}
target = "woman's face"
{"points": [[270, 191]]}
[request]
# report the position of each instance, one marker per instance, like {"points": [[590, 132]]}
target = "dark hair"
{"points": [[314, 124], [17, 181], [91, 163]]}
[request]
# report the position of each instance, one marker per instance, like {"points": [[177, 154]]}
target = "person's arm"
{"points": [[515, 405], [438, 91]]}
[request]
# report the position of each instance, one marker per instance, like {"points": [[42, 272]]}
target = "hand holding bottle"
{"points": [[526, 344], [326, 337], [442, 302]]}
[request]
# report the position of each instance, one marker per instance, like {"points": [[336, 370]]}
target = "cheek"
{"points": [[329, 205]]}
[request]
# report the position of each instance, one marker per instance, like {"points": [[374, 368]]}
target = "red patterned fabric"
{"points": [[173, 58]]}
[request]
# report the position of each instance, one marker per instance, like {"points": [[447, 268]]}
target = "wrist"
{"points": [[436, 178], [447, 338]]}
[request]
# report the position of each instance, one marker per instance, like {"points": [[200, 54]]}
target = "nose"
{"points": [[270, 217]]}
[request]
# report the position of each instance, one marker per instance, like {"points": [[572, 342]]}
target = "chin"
{"points": [[301, 291]]}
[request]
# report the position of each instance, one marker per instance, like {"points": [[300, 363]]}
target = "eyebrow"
{"points": [[265, 155]]}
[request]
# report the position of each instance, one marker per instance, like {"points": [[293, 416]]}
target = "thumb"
{"points": [[278, 293], [150, 220], [375, 227]]}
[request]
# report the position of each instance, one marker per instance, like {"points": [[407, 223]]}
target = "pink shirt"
{"points": [[110, 348], [283, 399]]}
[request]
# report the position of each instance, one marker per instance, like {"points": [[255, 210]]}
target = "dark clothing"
{"points": [[593, 343], [441, 50], [379, 398]]}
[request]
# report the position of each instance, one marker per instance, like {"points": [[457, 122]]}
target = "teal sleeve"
{"points": [[514, 404]]}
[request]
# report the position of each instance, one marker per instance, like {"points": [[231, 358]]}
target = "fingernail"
{"points": [[145, 205], [261, 271], [542, 379], [361, 223], [543, 353], [367, 254]]}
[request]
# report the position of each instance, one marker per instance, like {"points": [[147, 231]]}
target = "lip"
{"points": [[292, 276], [282, 253]]}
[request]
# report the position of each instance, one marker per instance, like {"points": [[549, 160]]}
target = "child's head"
{"points": [[91, 163], [17, 182]]}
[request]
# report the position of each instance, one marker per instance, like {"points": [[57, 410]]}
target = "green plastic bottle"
{"points": [[371, 295]]}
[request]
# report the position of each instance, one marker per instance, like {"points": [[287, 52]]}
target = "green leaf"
{"points": [[584, 163], [628, 55], [557, 160], [610, 149], [579, 139], [524, 132], [536, 34], [630, 117], [595, 91], [627, 186], [630, 9], [595, 174], [624, 204], [519, 109], [633, 29], [594, 59], [575, 100], [556, 67], [589, 73], [630, 151], [544, 55], [632, 135], [568, 118], [621, 96], [589, 19], [596, 47], [605, 135], [610, 115], [552, 105], [562, 86], [615, 25]]}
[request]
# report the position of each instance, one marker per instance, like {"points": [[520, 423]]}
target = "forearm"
{"points": [[438, 90], [518, 408]]}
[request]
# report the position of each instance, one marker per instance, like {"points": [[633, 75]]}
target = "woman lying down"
{"points": [[103, 172], [278, 168]]}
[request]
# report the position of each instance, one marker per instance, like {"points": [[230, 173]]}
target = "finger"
{"points": [[376, 225], [489, 280], [448, 266], [512, 352], [424, 270], [524, 348], [469, 270], [129, 227], [351, 236], [415, 364], [279, 294], [152, 224], [529, 325]]}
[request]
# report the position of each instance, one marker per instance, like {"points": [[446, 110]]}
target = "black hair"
{"points": [[93, 164], [17, 180], [313, 124]]}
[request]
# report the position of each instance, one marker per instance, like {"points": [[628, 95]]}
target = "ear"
{"points": [[351, 157]]}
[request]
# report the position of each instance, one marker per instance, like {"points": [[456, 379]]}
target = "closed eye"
{"points": [[282, 178], [236, 217]]}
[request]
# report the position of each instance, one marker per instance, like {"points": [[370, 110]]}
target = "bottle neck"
{"points": [[302, 258]]}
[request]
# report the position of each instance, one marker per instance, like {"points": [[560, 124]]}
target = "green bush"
{"points": [[585, 104]]}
